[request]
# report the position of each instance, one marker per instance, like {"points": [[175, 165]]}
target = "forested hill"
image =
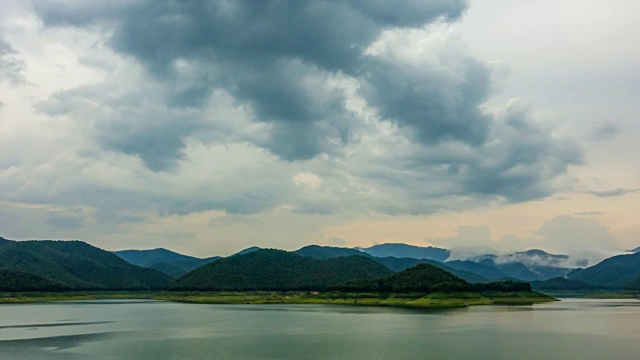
{"points": [[420, 278], [167, 261], [77, 265], [13, 280], [616, 272], [427, 278], [393, 263], [268, 269]]}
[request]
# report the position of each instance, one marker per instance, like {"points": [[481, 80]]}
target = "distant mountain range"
{"points": [[407, 251], [169, 262], [75, 265], [530, 265]]}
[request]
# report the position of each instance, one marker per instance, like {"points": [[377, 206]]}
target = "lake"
{"points": [[124, 329]]}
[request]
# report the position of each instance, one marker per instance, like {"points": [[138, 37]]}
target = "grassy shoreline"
{"points": [[416, 300]]}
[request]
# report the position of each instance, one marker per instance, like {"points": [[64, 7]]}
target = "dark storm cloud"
{"points": [[262, 53], [292, 67], [434, 105], [11, 65], [521, 158]]}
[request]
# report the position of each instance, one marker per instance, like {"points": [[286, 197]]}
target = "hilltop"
{"points": [[75, 265], [268, 269]]}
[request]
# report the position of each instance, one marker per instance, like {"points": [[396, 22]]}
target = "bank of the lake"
{"points": [[440, 299]]}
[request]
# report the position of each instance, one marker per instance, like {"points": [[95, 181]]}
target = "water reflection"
{"points": [[580, 329]]}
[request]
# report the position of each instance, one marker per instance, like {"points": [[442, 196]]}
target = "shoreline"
{"points": [[411, 300]]}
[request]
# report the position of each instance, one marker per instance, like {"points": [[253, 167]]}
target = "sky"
{"points": [[208, 126]]}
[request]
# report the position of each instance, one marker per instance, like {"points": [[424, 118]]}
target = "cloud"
{"points": [[336, 241], [271, 55], [612, 192], [580, 238], [589, 213], [567, 234], [66, 221], [244, 107], [604, 130], [12, 66]]}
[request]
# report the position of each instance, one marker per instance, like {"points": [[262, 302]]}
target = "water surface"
{"points": [[140, 330]]}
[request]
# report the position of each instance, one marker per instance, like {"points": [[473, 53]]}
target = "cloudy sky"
{"points": [[207, 126]]}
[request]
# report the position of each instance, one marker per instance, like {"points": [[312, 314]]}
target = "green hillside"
{"points": [[12, 280], [78, 265], [393, 263], [268, 269], [420, 278], [166, 261], [613, 273]]}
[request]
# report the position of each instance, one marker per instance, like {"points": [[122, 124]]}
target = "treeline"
{"points": [[278, 270], [427, 278], [11, 280], [47, 265]]}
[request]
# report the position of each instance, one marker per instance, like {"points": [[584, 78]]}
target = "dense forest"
{"points": [[77, 265], [12, 280], [616, 272], [268, 269], [428, 279]]}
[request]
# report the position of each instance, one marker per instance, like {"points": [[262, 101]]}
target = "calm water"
{"points": [[571, 329]]}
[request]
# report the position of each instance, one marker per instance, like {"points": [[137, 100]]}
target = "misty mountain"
{"points": [[616, 272], [527, 265], [77, 265], [268, 269], [393, 263], [407, 251], [167, 261]]}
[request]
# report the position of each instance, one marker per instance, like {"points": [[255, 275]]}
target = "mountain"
{"points": [[487, 271], [148, 258], [613, 273], [560, 283], [328, 252], [176, 269], [407, 251], [420, 278], [393, 263], [78, 266], [530, 265], [12, 280], [167, 261], [247, 250], [4, 241], [268, 269], [634, 284]]}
